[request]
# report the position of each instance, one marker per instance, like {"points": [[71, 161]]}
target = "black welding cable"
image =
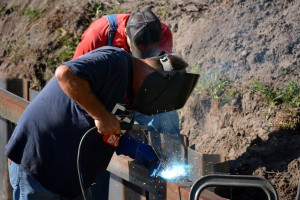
{"points": [[124, 126], [78, 162]]}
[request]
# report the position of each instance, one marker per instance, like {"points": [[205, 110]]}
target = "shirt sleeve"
{"points": [[94, 37], [166, 43]]}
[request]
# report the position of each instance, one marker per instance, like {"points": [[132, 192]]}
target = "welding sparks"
{"points": [[175, 171]]}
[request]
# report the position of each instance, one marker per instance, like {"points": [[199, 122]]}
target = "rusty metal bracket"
{"points": [[233, 181]]}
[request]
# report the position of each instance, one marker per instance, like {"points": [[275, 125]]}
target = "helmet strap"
{"points": [[165, 63]]}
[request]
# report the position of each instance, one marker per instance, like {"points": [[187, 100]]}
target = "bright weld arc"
{"points": [[175, 171], [172, 172]]}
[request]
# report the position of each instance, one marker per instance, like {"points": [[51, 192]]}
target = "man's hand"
{"points": [[108, 125]]}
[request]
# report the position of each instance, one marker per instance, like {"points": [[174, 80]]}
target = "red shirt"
{"points": [[97, 35]]}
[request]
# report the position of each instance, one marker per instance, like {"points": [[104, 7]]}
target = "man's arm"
{"points": [[80, 91]]}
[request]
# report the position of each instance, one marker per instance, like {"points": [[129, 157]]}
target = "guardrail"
{"points": [[131, 181]]}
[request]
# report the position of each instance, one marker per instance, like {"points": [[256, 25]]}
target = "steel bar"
{"points": [[11, 106]]}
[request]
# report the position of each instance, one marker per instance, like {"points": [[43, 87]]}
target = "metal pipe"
{"points": [[232, 181]]}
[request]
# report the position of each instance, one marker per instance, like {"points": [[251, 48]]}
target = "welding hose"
{"points": [[78, 162], [124, 126]]}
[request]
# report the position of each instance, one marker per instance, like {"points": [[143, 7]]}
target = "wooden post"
{"points": [[20, 88]]}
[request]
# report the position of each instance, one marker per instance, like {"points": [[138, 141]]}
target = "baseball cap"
{"points": [[144, 31]]}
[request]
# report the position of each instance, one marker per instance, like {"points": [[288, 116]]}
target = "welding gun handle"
{"points": [[128, 126]]}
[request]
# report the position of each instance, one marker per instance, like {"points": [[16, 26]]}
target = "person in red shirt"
{"points": [[97, 36], [142, 34]]}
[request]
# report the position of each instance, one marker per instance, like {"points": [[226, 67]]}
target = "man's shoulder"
{"points": [[122, 19], [123, 16]]}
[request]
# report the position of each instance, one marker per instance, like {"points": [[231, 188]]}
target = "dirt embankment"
{"points": [[246, 51]]}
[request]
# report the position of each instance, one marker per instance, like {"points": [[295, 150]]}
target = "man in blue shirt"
{"points": [[139, 25], [96, 89]]}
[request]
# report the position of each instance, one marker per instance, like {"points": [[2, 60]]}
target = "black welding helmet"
{"points": [[164, 91], [144, 31]]}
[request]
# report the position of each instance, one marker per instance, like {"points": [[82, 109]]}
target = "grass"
{"points": [[215, 86], [2, 11], [162, 12], [218, 86], [32, 13], [6, 11], [116, 10], [98, 11], [12, 50], [283, 103], [259, 88], [289, 94], [68, 43], [16, 50], [284, 70], [285, 100], [95, 11]]}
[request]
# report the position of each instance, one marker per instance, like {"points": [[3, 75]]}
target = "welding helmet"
{"points": [[144, 31], [164, 91]]}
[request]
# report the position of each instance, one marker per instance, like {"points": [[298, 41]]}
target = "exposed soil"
{"points": [[235, 40]]}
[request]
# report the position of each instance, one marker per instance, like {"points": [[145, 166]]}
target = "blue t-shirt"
{"points": [[46, 138]]}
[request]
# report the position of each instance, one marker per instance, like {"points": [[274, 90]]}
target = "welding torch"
{"points": [[138, 153]]}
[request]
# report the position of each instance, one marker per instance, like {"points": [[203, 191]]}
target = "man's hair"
{"points": [[174, 61], [144, 29]]}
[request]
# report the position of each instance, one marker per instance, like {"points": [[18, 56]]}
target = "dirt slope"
{"points": [[247, 53]]}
